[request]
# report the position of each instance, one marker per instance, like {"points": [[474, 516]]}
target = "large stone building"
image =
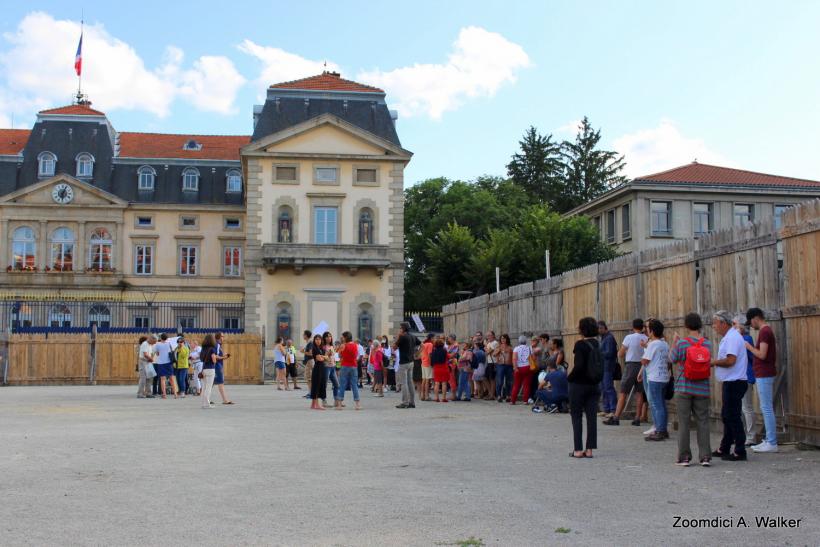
{"points": [[325, 210], [299, 223], [688, 202]]}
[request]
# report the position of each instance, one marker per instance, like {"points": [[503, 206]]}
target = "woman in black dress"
{"points": [[318, 381], [583, 387]]}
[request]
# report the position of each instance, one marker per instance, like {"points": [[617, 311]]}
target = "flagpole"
{"points": [[80, 75]]}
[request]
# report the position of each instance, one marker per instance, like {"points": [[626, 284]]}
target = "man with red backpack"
{"points": [[691, 358]]}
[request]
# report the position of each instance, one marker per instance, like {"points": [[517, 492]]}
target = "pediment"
{"points": [[327, 135], [84, 194]]}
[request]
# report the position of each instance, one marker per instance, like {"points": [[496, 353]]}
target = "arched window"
{"points": [[100, 249], [23, 247], [59, 316], [190, 179], [233, 181], [365, 227], [285, 226], [283, 320], [100, 315], [62, 250], [145, 178], [85, 165], [365, 331], [46, 164]]}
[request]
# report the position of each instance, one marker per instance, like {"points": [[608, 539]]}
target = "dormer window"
{"points": [[47, 163], [192, 145], [85, 166], [146, 177], [233, 181], [190, 180]]}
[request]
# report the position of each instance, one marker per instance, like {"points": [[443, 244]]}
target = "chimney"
{"points": [[257, 111]]}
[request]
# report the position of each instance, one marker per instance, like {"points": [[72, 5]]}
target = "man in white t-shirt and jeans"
{"points": [[730, 371], [632, 352]]}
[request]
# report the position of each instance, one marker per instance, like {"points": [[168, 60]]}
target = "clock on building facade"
{"points": [[62, 193]]}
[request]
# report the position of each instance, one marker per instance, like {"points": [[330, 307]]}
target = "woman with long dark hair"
{"points": [[208, 357], [318, 380], [583, 379]]}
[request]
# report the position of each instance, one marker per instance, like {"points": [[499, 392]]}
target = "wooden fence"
{"points": [[753, 265], [105, 359]]}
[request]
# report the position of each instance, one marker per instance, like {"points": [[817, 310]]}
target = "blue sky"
{"points": [[732, 83]]}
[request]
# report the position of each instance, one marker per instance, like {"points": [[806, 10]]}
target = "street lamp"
{"points": [[149, 296]]}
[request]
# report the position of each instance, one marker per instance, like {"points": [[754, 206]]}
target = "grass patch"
{"points": [[562, 530]]}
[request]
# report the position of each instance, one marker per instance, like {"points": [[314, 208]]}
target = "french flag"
{"points": [[78, 58]]}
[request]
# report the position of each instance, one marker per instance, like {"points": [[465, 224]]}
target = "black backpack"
{"points": [[595, 363]]}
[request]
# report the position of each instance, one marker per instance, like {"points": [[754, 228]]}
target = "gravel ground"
{"points": [[94, 465]]}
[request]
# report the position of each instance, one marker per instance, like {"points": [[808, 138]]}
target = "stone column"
{"points": [[43, 250], [118, 238], [4, 242], [80, 252]]}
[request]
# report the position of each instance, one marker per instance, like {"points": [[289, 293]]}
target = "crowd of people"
{"points": [[178, 366], [534, 371]]}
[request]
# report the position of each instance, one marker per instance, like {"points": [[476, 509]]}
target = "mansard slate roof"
{"points": [[118, 157], [327, 81], [295, 102], [703, 174]]}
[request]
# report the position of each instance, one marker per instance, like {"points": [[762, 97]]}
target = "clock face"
{"points": [[62, 193]]}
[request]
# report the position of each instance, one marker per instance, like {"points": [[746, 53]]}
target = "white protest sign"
{"points": [[417, 321], [321, 328]]}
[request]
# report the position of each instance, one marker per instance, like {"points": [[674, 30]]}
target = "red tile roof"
{"points": [[327, 81], [12, 141], [164, 145], [701, 173], [74, 109]]}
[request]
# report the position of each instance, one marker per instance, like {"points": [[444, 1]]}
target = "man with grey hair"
{"points": [[146, 357], [730, 370], [407, 345]]}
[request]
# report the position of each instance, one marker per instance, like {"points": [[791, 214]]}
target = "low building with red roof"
{"points": [[690, 201]]}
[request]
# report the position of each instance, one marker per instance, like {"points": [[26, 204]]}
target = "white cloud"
{"points": [[570, 128], [663, 147], [480, 63], [279, 65], [38, 71]]}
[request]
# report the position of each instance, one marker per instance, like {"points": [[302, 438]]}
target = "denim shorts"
{"points": [[279, 365]]}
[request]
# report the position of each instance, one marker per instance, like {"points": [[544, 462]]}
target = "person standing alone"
{"points": [[406, 349]]}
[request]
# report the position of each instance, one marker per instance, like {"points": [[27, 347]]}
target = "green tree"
{"points": [[588, 172], [537, 168], [449, 258]]}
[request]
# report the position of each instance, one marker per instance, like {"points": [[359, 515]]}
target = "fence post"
{"points": [[93, 367], [262, 355], [5, 356]]}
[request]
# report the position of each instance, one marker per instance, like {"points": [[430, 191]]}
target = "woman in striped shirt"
{"points": [[691, 396]]}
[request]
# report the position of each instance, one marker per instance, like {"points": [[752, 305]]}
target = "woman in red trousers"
{"points": [[522, 375]]}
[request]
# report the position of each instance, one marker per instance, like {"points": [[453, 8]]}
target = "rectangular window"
{"points": [[145, 222], [744, 213], [232, 224], [325, 175], [144, 260], [232, 261], [186, 322], [146, 179], [661, 218], [234, 183], [610, 226], [188, 260], [231, 323], [778, 215], [366, 175], [626, 223], [325, 225], [285, 173], [84, 168], [141, 322], [702, 222], [188, 222]]}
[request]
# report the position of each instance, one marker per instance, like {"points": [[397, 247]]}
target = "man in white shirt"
{"points": [[146, 357], [632, 353], [730, 370]]}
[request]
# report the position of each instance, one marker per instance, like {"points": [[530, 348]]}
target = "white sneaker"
{"points": [[765, 446], [649, 431]]}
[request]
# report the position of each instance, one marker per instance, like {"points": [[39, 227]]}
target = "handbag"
{"points": [[669, 389], [616, 372], [150, 371]]}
